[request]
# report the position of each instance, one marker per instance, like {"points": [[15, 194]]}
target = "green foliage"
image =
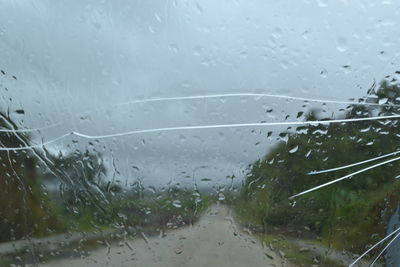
{"points": [[85, 193], [353, 209], [169, 209], [86, 201], [25, 209], [296, 253]]}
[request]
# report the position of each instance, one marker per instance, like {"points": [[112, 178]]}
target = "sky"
{"points": [[75, 61]]}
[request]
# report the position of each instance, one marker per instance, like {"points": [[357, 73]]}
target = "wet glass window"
{"points": [[199, 133]]}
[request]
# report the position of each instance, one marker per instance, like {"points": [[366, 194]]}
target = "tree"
{"points": [[24, 207], [357, 205]]}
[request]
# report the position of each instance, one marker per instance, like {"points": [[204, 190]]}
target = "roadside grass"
{"points": [[282, 244], [296, 254]]}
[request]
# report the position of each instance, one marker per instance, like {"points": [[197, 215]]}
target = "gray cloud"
{"points": [[73, 56]]}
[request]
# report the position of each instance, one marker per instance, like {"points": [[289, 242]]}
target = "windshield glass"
{"points": [[195, 133]]}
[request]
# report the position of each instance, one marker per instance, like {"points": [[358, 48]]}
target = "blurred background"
{"points": [[125, 122]]}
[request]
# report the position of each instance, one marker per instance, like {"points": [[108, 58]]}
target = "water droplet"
{"points": [[305, 34], [346, 69], [199, 8], [277, 33], [157, 17], [294, 149], [322, 3], [173, 47], [198, 50], [177, 204], [383, 100], [341, 44], [178, 251], [284, 64], [324, 73], [243, 54]]}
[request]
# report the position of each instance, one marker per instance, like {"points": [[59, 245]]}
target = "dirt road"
{"points": [[214, 240]]}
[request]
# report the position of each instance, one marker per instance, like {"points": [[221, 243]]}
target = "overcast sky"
{"points": [[73, 56]]}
